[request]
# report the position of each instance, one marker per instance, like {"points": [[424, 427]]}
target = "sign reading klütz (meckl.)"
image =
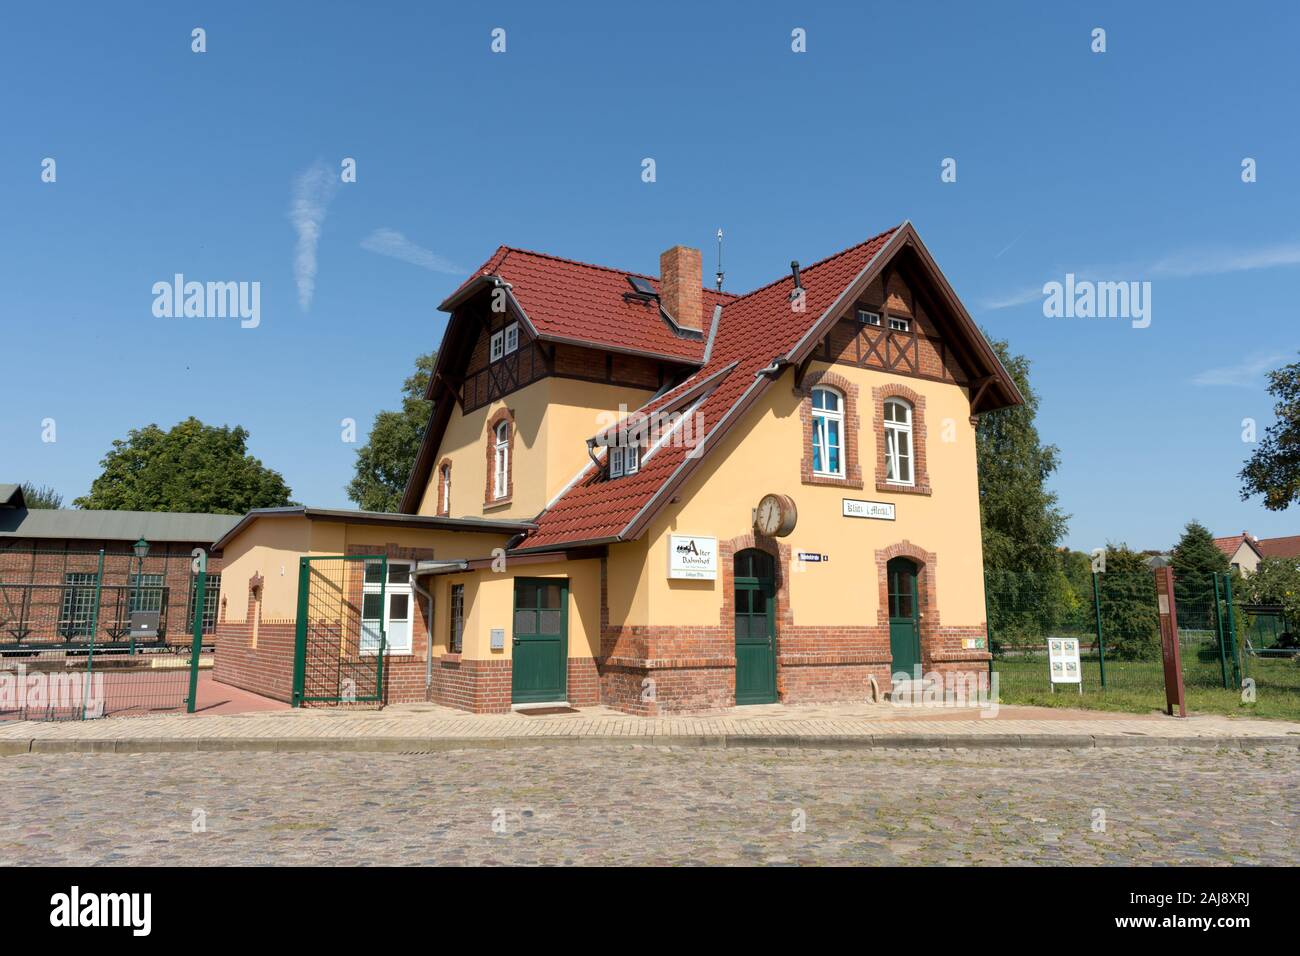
{"points": [[692, 556], [853, 508]]}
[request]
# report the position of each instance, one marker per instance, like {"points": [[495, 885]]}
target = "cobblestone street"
{"points": [[653, 805]]}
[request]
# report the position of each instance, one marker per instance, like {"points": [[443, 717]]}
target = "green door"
{"points": [[755, 628], [904, 630], [539, 669]]}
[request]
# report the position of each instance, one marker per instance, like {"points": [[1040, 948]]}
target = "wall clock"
{"points": [[775, 516]]}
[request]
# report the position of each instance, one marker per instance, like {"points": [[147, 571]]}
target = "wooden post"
{"points": [[1169, 651]]}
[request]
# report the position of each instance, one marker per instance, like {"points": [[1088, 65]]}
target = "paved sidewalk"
{"points": [[428, 727]]}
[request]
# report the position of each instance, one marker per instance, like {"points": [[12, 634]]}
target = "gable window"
{"points": [[624, 460], [899, 325], [512, 337], [868, 318], [898, 442], [498, 345], [446, 489], [456, 638], [501, 461], [386, 608], [828, 432]]}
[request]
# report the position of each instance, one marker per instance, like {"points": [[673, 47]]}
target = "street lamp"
{"points": [[141, 549]]}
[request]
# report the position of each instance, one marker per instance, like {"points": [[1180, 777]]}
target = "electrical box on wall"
{"points": [[498, 638]]}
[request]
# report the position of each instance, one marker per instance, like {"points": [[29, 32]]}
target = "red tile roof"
{"points": [[1230, 544], [755, 329], [566, 300], [1288, 547]]}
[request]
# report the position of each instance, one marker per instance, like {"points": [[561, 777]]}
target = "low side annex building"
{"points": [[640, 491]]}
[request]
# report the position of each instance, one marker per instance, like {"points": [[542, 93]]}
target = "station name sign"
{"points": [[881, 510], [692, 557]]}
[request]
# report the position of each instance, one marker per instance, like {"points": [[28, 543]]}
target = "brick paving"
{"points": [[884, 724], [656, 805]]}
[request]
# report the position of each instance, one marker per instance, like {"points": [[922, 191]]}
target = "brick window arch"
{"points": [[915, 403], [500, 440], [851, 470]]}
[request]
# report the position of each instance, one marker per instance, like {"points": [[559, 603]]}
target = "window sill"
{"points": [[496, 504], [889, 486], [832, 481]]}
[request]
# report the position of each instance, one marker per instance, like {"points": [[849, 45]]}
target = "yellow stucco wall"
{"points": [[489, 603], [553, 419], [272, 546], [761, 455]]}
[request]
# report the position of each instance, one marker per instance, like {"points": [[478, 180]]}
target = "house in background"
{"points": [[1288, 547], [48, 562], [638, 491], [1242, 550]]}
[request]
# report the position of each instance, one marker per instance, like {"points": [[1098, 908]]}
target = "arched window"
{"points": [[446, 488], [501, 462], [898, 442], [828, 432]]}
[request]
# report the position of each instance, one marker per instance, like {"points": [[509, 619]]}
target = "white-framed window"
{"points": [[868, 318], [900, 325], [386, 604], [624, 460], [501, 461], [512, 337], [456, 635], [498, 345], [446, 489], [898, 442], [828, 432]]}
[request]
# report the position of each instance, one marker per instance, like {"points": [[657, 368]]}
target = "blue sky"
{"points": [[1124, 165]]}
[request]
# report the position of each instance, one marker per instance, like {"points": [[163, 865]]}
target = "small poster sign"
{"points": [[1063, 662]]}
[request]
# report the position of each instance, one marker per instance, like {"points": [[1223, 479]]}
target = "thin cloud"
{"points": [[313, 191], [390, 242], [1179, 265], [1247, 374], [1014, 299], [1221, 261]]}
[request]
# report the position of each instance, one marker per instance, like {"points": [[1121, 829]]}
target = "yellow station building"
{"points": [[638, 491]]}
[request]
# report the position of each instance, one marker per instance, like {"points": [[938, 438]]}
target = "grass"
{"points": [[1139, 686]]}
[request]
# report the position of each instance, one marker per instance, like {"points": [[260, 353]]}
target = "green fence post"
{"points": [[383, 630], [988, 628], [1101, 644], [300, 631], [94, 626], [1218, 624], [1232, 633], [196, 648]]}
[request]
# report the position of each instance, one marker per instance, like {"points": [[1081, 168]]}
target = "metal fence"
{"points": [[93, 634], [1226, 646]]}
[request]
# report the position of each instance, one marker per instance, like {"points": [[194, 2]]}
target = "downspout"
{"points": [[428, 647]]}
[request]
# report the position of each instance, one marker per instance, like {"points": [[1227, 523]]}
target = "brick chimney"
{"points": [[680, 277]]}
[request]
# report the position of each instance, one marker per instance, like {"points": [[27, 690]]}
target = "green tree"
{"points": [[1274, 581], [1130, 618], [41, 497], [191, 467], [1020, 518], [1196, 559], [385, 461], [1273, 469]]}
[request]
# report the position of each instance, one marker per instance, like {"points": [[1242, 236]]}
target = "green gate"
{"points": [[342, 627]]}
